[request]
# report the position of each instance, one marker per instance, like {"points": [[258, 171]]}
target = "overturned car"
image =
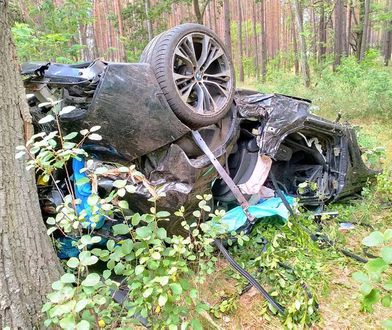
{"points": [[149, 113]]}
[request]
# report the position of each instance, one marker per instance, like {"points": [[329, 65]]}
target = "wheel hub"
{"points": [[198, 76]]}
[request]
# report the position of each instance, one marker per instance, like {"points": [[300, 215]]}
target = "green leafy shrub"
{"points": [[376, 282], [160, 274], [355, 89]]}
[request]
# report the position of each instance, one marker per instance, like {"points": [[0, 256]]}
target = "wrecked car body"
{"points": [[250, 133]]}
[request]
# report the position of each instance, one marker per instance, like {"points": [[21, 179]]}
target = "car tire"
{"points": [[194, 71]]}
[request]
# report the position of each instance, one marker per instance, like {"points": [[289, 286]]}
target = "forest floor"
{"points": [[337, 293]]}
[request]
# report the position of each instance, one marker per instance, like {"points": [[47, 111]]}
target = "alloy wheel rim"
{"points": [[202, 74]]}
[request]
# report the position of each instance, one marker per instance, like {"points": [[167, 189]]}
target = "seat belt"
{"points": [[244, 204], [223, 174]]}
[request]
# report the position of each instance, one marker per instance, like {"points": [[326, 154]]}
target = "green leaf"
{"points": [[83, 325], [73, 262], [106, 274], [95, 239], [147, 292], [50, 221], [95, 128], [387, 235], [68, 278], [386, 301], [120, 229], [376, 238], [51, 230], [91, 280], [81, 304], [86, 259], [70, 136], [68, 322], [366, 288], [360, 277], [120, 183], [176, 288], [101, 170], [143, 232], [161, 233], [162, 299], [388, 285], [196, 325], [370, 299], [119, 268], [387, 324], [135, 219], [123, 204], [127, 246], [93, 200], [110, 245], [139, 269], [376, 266], [386, 254], [46, 119], [95, 137], [163, 214], [67, 109]]}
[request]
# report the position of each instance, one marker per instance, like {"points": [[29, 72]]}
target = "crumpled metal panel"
{"points": [[284, 116], [178, 177], [132, 111], [251, 105]]}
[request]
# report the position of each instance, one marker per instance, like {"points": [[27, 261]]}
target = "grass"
{"points": [[327, 272]]}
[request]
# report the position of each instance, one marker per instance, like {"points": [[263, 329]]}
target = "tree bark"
{"points": [[227, 36], [348, 27], [147, 6], [199, 10], [295, 45], [388, 37], [322, 35], [256, 50], [27, 259], [240, 48], [339, 30], [263, 42], [365, 28], [302, 44]]}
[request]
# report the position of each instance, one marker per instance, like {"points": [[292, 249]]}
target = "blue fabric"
{"points": [[83, 192], [67, 249], [236, 218]]}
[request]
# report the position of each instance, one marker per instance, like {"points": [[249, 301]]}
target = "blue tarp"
{"points": [[236, 218], [83, 192]]}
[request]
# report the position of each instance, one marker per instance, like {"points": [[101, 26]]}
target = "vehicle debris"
{"points": [[251, 135]]}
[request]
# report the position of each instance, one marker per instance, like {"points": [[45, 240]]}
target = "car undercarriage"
{"points": [[250, 133]]}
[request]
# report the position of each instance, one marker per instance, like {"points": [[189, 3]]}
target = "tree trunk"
{"points": [[199, 13], [295, 45], [215, 16], [338, 45], [226, 11], [302, 44], [27, 259], [256, 51], [263, 42], [365, 28], [147, 6], [348, 27], [240, 48], [388, 37], [322, 35]]}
